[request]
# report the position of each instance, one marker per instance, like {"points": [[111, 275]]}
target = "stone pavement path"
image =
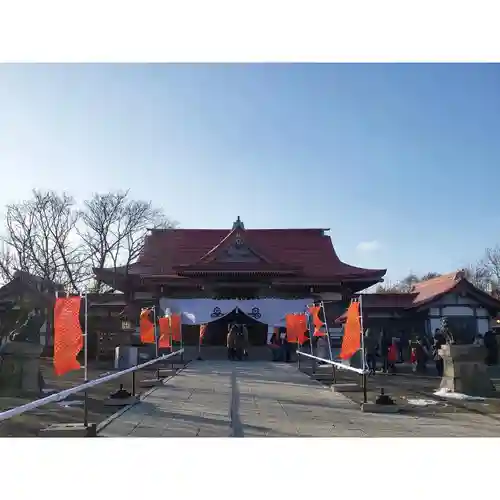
{"points": [[263, 399]]}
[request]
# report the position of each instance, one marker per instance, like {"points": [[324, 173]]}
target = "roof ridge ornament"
{"points": [[238, 224]]}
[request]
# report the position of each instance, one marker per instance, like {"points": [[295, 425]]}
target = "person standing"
{"points": [[392, 356], [384, 351], [231, 342], [245, 341], [402, 341], [491, 345], [439, 341], [370, 344]]}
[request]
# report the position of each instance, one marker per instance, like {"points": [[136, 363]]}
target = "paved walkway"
{"points": [[262, 399]]}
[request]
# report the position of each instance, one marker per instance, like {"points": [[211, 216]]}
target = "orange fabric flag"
{"points": [[203, 330], [146, 327], [319, 333], [68, 335], [296, 325], [164, 340], [351, 343], [303, 337], [176, 327], [314, 311], [291, 327]]}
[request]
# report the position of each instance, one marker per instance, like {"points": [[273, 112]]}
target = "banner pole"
{"points": [[199, 343], [157, 341], [182, 340], [171, 335], [86, 361], [310, 327], [334, 375], [363, 353]]}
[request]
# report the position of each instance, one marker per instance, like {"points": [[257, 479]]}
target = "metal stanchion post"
{"points": [[86, 374], [133, 383]]}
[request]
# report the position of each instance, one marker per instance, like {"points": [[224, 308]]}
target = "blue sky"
{"points": [[402, 162]]}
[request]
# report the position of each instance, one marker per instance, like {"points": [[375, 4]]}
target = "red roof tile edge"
{"points": [[309, 249], [422, 293]]}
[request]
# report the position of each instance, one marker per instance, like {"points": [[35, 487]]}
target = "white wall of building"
{"points": [[454, 304]]}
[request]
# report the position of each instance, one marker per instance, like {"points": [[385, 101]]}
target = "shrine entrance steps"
{"points": [[255, 353]]}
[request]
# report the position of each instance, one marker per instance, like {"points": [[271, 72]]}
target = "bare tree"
{"points": [[407, 283], [490, 265], [114, 229], [429, 276], [479, 275], [40, 238], [387, 288]]}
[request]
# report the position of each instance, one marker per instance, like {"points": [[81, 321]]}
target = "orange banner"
{"points": [[296, 325], [314, 312], [68, 335], [146, 327], [164, 340], [176, 327], [351, 343]]}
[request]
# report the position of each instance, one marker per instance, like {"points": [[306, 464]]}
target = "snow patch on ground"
{"points": [[422, 402], [69, 404], [446, 393]]}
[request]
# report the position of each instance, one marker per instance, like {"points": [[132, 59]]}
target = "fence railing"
{"points": [[335, 364], [62, 395]]}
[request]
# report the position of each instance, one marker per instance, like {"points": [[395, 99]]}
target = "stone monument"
{"points": [[30, 299], [20, 372], [465, 370]]}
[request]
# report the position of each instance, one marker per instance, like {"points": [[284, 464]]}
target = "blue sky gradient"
{"points": [[402, 162]]}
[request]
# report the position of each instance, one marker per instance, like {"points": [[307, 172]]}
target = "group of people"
{"points": [[388, 349], [281, 350], [237, 342], [420, 351]]}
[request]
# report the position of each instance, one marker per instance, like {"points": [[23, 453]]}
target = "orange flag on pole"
{"points": [[68, 335], [146, 327], [164, 340], [351, 343], [314, 311], [176, 326], [296, 325], [291, 327]]}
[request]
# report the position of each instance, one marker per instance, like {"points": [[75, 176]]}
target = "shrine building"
{"points": [[251, 276], [469, 310]]}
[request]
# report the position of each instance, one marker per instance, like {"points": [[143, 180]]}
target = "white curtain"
{"points": [[198, 311], [273, 311], [268, 311]]}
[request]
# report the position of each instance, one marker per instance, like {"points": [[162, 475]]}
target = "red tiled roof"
{"points": [[307, 249], [389, 300], [422, 293], [426, 291]]}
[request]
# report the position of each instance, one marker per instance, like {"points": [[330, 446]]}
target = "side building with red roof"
{"points": [[469, 310], [239, 263]]}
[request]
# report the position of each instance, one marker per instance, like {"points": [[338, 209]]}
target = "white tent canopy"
{"points": [[268, 311]]}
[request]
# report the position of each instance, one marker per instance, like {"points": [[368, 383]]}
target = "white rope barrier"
{"points": [[334, 363], [60, 396]]}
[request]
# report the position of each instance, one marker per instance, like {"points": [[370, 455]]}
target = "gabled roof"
{"points": [[24, 282], [307, 250], [424, 293], [236, 238]]}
